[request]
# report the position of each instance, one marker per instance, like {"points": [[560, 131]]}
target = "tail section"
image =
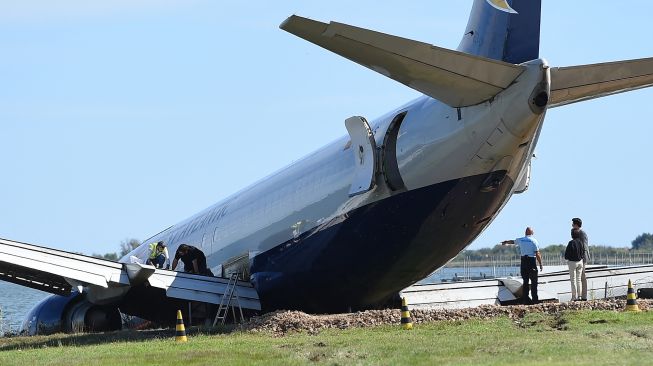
{"points": [[455, 78], [505, 30], [499, 35]]}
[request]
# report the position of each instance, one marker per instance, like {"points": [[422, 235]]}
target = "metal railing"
{"points": [[466, 268]]}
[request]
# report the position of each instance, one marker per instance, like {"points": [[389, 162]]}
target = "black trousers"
{"points": [[529, 273], [158, 261]]}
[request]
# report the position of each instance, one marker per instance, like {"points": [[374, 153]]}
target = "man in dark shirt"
{"points": [[574, 255], [194, 260], [577, 223]]}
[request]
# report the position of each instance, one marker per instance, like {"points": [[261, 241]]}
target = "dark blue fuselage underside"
{"points": [[364, 258]]}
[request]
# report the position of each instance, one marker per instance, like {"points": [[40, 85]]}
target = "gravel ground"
{"points": [[280, 323]]}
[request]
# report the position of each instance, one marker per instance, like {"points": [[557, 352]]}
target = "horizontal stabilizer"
{"points": [[578, 83], [453, 77]]}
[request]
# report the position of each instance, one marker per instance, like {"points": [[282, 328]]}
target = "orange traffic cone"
{"points": [[406, 322], [631, 298], [180, 335]]}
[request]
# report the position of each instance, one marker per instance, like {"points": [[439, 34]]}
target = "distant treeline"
{"points": [[126, 246], [643, 244], [500, 251]]}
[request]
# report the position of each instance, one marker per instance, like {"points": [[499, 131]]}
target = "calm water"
{"points": [[470, 273], [15, 302]]}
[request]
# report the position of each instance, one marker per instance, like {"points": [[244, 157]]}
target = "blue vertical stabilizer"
{"points": [[510, 35]]}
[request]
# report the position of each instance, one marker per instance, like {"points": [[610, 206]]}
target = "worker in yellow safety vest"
{"points": [[158, 255]]}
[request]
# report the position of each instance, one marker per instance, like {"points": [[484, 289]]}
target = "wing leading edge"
{"points": [[56, 271], [455, 78]]}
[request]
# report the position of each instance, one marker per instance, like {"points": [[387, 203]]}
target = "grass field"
{"points": [[578, 338]]}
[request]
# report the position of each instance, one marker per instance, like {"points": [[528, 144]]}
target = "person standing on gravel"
{"points": [[530, 251], [577, 223], [574, 256]]}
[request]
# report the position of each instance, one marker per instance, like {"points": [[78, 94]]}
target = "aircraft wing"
{"points": [[455, 78], [59, 272], [56, 271], [577, 83]]}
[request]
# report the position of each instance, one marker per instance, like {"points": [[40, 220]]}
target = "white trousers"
{"points": [[583, 294], [575, 273]]}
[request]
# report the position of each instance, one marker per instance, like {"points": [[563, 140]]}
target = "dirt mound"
{"points": [[281, 322]]}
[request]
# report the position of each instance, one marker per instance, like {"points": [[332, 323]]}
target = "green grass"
{"points": [[579, 338]]}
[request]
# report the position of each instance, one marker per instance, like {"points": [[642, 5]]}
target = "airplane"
{"points": [[350, 225]]}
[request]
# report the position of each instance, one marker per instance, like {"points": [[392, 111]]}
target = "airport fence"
{"points": [[508, 265]]}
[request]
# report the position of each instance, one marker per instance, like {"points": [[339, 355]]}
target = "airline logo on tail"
{"points": [[502, 5]]}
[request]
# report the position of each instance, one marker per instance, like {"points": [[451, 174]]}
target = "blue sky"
{"points": [[120, 118]]}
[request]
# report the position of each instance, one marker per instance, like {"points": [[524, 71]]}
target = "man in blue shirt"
{"points": [[530, 251]]}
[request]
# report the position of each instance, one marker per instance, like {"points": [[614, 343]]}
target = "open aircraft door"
{"points": [[364, 150], [389, 164]]}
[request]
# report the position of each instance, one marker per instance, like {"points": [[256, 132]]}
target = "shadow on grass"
{"points": [[89, 339]]}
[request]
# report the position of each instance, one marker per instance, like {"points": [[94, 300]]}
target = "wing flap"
{"points": [[578, 83], [205, 289], [453, 77]]}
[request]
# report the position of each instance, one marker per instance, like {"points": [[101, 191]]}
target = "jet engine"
{"points": [[70, 314]]}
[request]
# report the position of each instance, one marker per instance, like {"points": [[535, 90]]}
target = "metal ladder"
{"points": [[229, 293]]}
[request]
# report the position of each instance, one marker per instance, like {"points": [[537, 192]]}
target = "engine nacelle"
{"points": [[70, 314]]}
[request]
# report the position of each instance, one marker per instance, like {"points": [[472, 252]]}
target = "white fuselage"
{"points": [[435, 143]]}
